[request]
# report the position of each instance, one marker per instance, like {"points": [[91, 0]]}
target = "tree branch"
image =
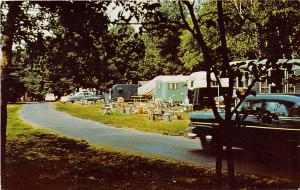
{"points": [[207, 58], [187, 26], [225, 59], [242, 99]]}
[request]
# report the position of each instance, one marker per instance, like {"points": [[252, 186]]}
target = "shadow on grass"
{"points": [[279, 164], [47, 161]]}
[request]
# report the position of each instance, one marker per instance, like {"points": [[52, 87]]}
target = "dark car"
{"points": [[257, 132]]}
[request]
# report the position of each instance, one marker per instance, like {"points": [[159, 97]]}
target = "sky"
{"points": [[113, 11]]}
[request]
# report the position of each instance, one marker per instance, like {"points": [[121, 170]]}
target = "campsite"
{"points": [[150, 94]]}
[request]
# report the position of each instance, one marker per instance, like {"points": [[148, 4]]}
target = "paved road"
{"points": [[177, 148]]}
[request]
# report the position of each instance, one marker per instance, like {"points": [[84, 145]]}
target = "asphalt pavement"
{"points": [[43, 115]]}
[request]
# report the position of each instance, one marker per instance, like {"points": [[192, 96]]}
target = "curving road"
{"points": [[45, 116]]}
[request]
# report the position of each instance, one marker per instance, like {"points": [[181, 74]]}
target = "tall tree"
{"points": [[9, 30], [83, 22], [161, 36], [220, 67], [126, 53]]}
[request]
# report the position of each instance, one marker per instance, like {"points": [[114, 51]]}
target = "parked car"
{"points": [[257, 132], [89, 96], [50, 97], [64, 99]]}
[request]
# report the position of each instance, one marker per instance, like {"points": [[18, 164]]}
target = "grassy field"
{"points": [[38, 159], [119, 119]]}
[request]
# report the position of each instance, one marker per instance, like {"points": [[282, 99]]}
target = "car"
{"points": [[50, 97], [64, 99], [89, 96], [281, 105], [279, 131]]}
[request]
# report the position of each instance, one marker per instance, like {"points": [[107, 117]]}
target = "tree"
{"points": [[254, 29], [161, 36], [221, 67], [84, 26], [9, 30], [126, 52], [87, 29]]}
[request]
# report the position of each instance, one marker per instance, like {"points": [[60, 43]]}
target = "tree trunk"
{"points": [[9, 29], [219, 157], [230, 166], [218, 174], [228, 129]]}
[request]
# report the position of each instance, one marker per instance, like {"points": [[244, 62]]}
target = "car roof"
{"points": [[290, 98]]}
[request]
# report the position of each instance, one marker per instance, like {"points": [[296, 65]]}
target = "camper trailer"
{"points": [[198, 92], [279, 81], [123, 90], [172, 88]]}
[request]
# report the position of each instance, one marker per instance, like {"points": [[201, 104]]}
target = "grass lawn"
{"points": [[119, 119], [38, 159]]}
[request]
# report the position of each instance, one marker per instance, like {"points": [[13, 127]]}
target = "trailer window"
{"points": [[158, 85], [173, 86]]}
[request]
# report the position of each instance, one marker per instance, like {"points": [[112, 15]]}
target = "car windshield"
{"points": [[281, 108]]}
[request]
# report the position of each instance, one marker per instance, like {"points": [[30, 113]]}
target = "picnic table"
{"points": [[154, 115], [106, 110], [175, 114], [138, 99]]}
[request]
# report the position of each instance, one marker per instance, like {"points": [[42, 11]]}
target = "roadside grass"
{"points": [[39, 159], [119, 119]]}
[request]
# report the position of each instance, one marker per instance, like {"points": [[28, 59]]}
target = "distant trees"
{"points": [[62, 47], [125, 52], [254, 29], [161, 34], [78, 47]]}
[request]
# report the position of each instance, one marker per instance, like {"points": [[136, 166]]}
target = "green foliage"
{"points": [[66, 54], [161, 38], [189, 51], [78, 49], [253, 29], [278, 28], [126, 51]]}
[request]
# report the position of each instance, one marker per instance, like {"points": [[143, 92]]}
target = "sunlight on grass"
{"points": [[119, 119], [17, 128]]}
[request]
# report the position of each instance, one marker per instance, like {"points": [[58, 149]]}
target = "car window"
{"points": [[252, 105], [277, 107], [281, 108]]}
